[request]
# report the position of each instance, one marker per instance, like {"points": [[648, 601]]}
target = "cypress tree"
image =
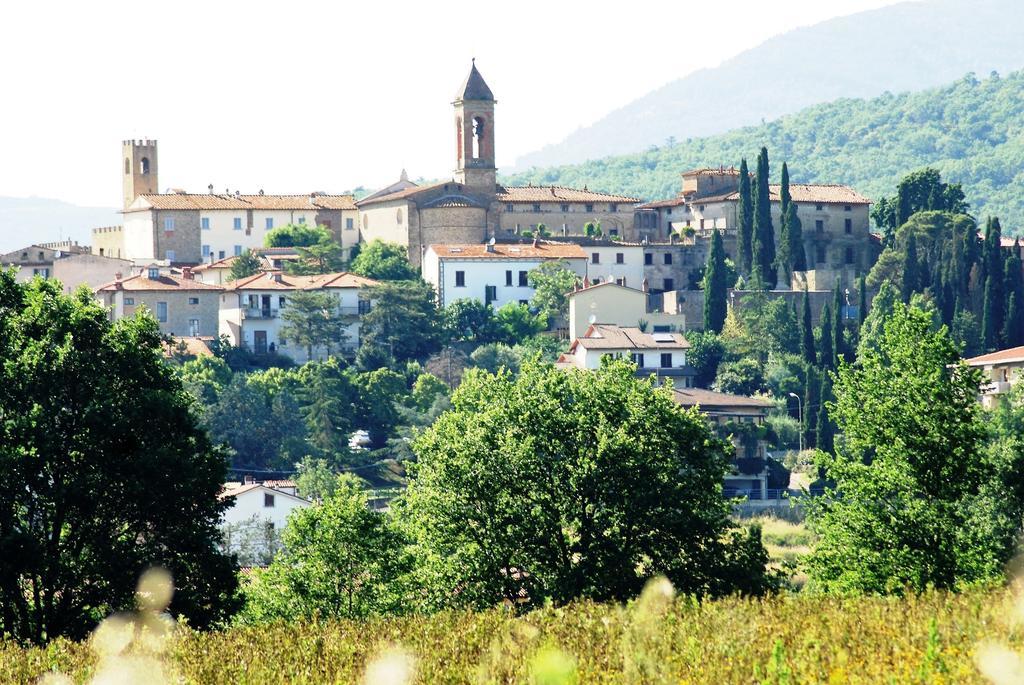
{"points": [[826, 353], [989, 328], [997, 271], [1012, 334], [825, 428], [1013, 286], [812, 386], [806, 332], [784, 196], [838, 344], [745, 221], [909, 268], [797, 255], [716, 289], [862, 293], [783, 262], [764, 232]]}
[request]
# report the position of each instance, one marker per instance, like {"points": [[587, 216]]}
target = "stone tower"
{"points": [[140, 169], [474, 134]]}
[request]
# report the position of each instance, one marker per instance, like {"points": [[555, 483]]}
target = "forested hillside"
{"points": [[971, 130], [906, 46]]}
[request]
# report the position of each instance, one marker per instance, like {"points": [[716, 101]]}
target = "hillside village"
{"points": [[466, 394]]}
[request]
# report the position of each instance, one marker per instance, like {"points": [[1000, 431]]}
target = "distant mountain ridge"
{"points": [[909, 46], [28, 220], [971, 130]]}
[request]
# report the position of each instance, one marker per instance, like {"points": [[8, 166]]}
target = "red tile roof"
{"points": [[800, 192], [708, 399], [212, 201], [143, 283], [558, 194], [609, 337], [713, 171], [1011, 355], [275, 280], [541, 250]]}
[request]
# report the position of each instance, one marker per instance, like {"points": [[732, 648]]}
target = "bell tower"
{"points": [[474, 134], [140, 169]]}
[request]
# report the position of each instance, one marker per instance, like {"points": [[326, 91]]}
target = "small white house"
{"points": [[494, 274], [252, 525], [663, 354]]}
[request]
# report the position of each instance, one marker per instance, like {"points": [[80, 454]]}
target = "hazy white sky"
{"points": [[298, 96]]}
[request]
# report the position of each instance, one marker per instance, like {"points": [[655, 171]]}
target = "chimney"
{"points": [[586, 282], [645, 286], [248, 480], [186, 273], [118, 276], [210, 187]]}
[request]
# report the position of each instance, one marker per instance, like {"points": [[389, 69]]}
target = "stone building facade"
{"points": [[181, 305]]}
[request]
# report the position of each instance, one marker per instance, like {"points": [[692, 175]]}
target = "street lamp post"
{"points": [[800, 414]]}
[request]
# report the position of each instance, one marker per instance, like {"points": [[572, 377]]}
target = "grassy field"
{"points": [[933, 638]]}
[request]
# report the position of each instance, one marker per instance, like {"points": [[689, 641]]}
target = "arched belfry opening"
{"points": [[478, 137], [144, 166]]}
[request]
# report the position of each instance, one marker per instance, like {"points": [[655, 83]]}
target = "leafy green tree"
{"points": [[552, 281], [784, 196], [966, 333], [316, 479], [514, 322], [107, 470], [205, 377], [468, 318], [592, 229], [340, 560], [404, 322], [312, 320], [705, 354], [807, 331], [494, 357], [328, 399], [919, 500], [297, 235], [384, 262], [376, 410], [256, 424], [764, 231], [745, 221], [244, 265], [425, 391], [322, 258], [517, 492], [716, 287], [1013, 285], [740, 377], [882, 307]]}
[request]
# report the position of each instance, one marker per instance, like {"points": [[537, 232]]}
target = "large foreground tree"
{"points": [[920, 499], [559, 485], [106, 469]]}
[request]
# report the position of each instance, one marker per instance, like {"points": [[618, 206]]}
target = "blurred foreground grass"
{"points": [[931, 638]]}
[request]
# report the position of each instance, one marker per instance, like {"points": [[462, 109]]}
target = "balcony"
{"points": [[995, 388], [259, 313]]}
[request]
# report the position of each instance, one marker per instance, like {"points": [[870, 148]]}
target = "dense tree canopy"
{"points": [[297, 235], [384, 262]]}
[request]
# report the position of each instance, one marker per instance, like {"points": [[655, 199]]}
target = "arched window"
{"points": [[478, 137], [144, 165], [127, 166]]}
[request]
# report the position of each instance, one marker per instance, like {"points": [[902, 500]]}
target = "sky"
{"points": [[299, 96]]}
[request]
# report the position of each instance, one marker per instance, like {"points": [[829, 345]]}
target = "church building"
{"points": [[472, 207]]}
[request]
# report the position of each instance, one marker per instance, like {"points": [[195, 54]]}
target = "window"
{"points": [[349, 224], [171, 256], [702, 223], [509, 207], [206, 251], [169, 223], [490, 293], [153, 273], [819, 225], [648, 259], [536, 206], [820, 254], [595, 258], [666, 360], [280, 302], [460, 279], [524, 302], [144, 166], [268, 499], [589, 207], [638, 359], [620, 258], [522, 279], [129, 301], [193, 327], [44, 272], [848, 225], [205, 223], [508, 277], [613, 207], [268, 223], [668, 257], [702, 208], [818, 207], [161, 312], [621, 281], [238, 223], [193, 300], [565, 207], [364, 306], [669, 285], [849, 256], [238, 250], [847, 208], [302, 220], [613, 232], [662, 328], [220, 254]]}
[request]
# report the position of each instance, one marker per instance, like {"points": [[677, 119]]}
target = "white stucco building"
{"points": [[663, 354], [252, 525], [494, 274]]}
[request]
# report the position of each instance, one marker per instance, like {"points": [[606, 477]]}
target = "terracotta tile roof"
{"points": [[1011, 355], [608, 337], [833, 194], [657, 204], [541, 250], [275, 280], [194, 346], [558, 194], [709, 399], [589, 241], [278, 253], [404, 193], [713, 171], [143, 283], [212, 201]]}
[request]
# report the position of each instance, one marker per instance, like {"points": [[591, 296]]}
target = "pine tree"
{"points": [[826, 353], [716, 288], [764, 232], [745, 220], [909, 268], [862, 309], [807, 332], [838, 343]]}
